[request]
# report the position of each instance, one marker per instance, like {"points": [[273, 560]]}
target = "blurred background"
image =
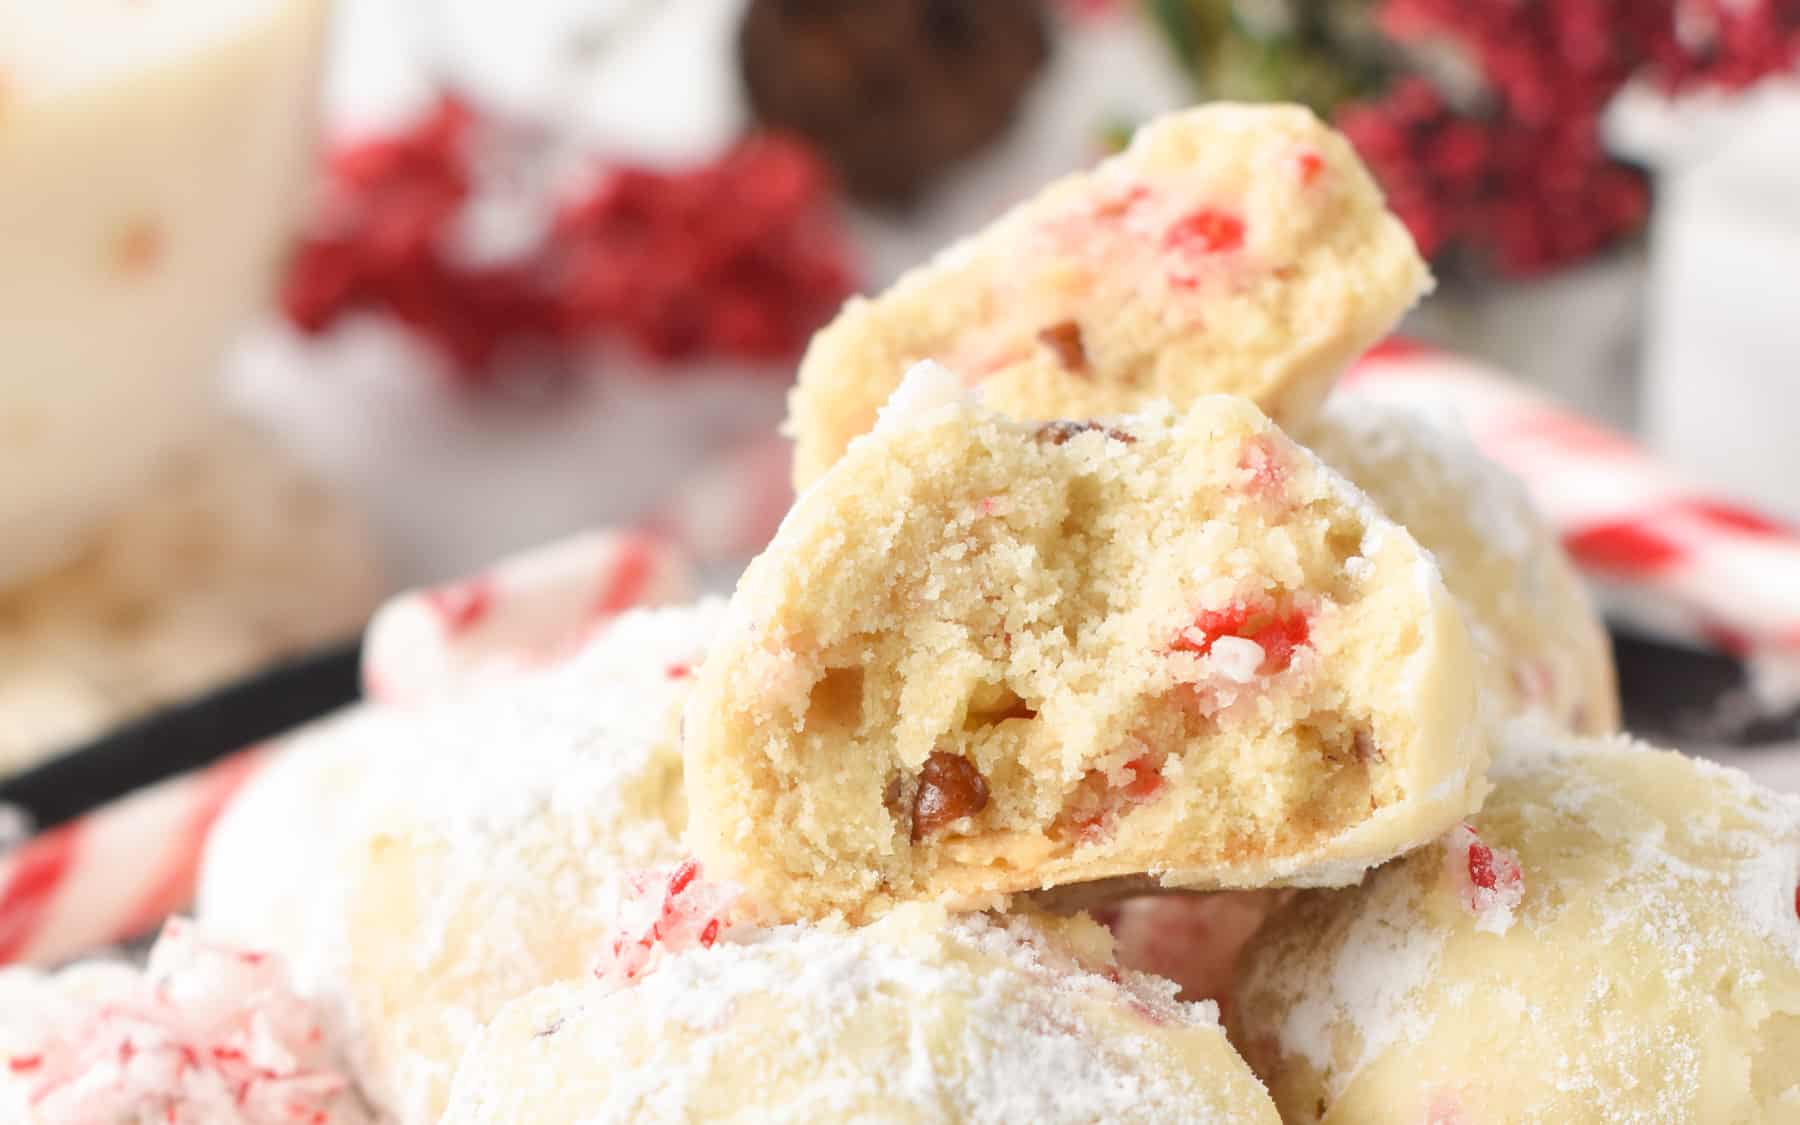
{"points": [[302, 301]]}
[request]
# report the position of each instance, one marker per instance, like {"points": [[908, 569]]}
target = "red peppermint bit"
{"points": [[679, 671], [1489, 880], [1279, 633], [1310, 164], [1481, 866], [1205, 231], [1146, 777], [1101, 801], [24, 1064], [462, 605], [683, 877]]}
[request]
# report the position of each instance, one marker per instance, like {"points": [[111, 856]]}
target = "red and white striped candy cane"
{"points": [[116, 873], [526, 611], [1662, 551]]}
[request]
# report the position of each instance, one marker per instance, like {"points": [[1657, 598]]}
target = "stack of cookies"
{"points": [[1098, 632]]}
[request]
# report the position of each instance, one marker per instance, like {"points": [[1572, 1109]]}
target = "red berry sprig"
{"points": [[1520, 180], [739, 257]]}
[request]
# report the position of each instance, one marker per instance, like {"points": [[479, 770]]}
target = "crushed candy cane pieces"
{"points": [[209, 1035], [662, 911], [1489, 880], [1278, 633], [1205, 231]]}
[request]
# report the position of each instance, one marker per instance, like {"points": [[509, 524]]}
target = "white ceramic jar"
{"points": [[152, 157], [1722, 340]]}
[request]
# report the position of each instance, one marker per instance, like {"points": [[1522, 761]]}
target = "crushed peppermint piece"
{"points": [[1263, 461], [208, 1034], [662, 911], [1146, 777], [1197, 237], [1489, 880], [1278, 633], [1106, 795], [1206, 231], [1237, 658]]}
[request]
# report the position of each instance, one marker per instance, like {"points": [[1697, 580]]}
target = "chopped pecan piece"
{"points": [[1064, 339], [949, 787]]}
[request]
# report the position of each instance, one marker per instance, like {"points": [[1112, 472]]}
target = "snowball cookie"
{"points": [[920, 1017], [207, 1034], [270, 857], [1232, 248], [1543, 648], [1613, 938], [984, 656], [478, 872]]}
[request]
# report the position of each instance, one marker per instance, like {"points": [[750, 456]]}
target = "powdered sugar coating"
{"points": [[208, 1034], [439, 859], [1644, 967], [481, 865], [274, 851], [919, 1017]]}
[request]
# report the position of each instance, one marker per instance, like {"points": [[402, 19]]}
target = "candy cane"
{"points": [[1663, 552], [114, 874], [526, 611]]}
